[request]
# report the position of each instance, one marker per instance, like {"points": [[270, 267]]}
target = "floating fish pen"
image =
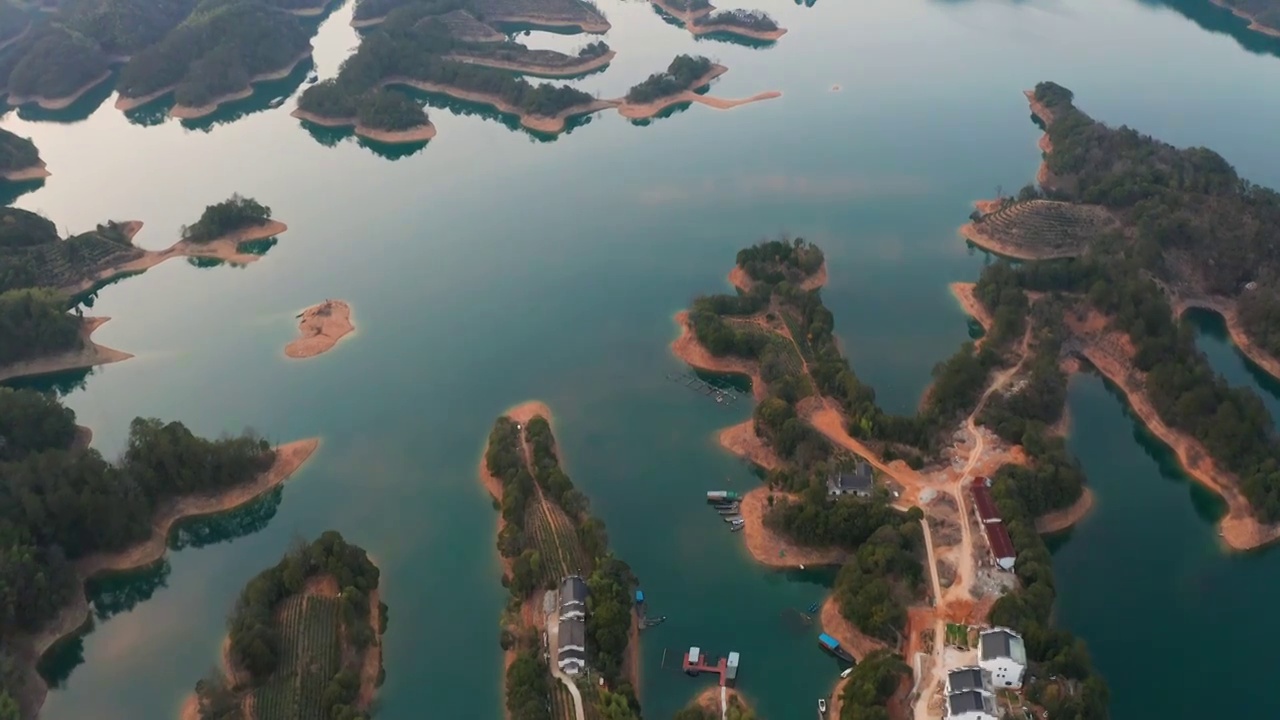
{"points": [[720, 391]]}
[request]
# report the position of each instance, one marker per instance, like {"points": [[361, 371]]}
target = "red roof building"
{"points": [[986, 507], [1001, 544]]}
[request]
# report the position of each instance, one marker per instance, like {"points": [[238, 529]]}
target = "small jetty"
{"points": [[697, 662], [721, 392], [723, 497], [832, 646]]}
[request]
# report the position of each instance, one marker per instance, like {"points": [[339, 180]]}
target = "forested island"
{"points": [[546, 535], [682, 82], [817, 420], [700, 17], [410, 48], [1187, 232], [576, 15], [1263, 15], [304, 640], [215, 56], [67, 515], [19, 159]]}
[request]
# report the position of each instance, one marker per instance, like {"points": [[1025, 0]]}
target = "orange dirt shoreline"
{"points": [[963, 292], [1239, 529], [769, 548], [60, 103], [89, 355], [321, 327], [546, 71], [192, 112], [37, 171], [421, 133], [689, 18], [644, 111], [1226, 308], [687, 348], [289, 459], [739, 279], [974, 233], [1060, 520]]}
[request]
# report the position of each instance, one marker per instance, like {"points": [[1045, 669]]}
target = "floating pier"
{"points": [[721, 392], [696, 662], [722, 497], [832, 646]]}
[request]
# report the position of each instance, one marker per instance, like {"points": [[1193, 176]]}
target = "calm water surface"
{"points": [[490, 267]]}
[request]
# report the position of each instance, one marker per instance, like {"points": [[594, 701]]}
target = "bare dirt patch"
{"points": [[320, 328]]}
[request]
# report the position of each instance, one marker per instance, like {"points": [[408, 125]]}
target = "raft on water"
{"points": [[720, 496], [832, 646]]}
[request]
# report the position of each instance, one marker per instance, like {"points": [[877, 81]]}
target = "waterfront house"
{"points": [[969, 678], [971, 705], [573, 598], [571, 656], [1003, 654], [859, 483]]}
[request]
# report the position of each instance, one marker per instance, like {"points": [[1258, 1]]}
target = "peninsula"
{"points": [[679, 84], [382, 115], [304, 639], [112, 517], [320, 327], [1263, 15], [546, 539], [1191, 234], [885, 496], [19, 159]]}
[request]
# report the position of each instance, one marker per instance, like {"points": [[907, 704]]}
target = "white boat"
{"points": [[277, 102], [846, 672], [312, 77], [822, 705]]}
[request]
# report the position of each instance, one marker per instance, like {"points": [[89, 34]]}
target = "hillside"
{"points": [[32, 254]]}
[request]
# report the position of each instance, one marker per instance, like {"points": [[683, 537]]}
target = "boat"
{"points": [[822, 706], [731, 510], [312, 77], [650, 622], [736, 528], [277, 102], [734, 519], [832, 646]]}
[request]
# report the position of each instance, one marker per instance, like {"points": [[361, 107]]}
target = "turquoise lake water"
{"points": [[491, 267]]}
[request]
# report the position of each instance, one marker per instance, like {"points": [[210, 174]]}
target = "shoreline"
{"points": [[59, 103], [590, 27], [194, 112], [1238, 529], [1254, 25], [742, 441], [740, 280], [770, 549], [1059, 520], [1226, 309], [972, 232], [645, 111], [225, 247], [1044, 178], [859, 644], [973, 307], [687, 349], [322, 326], [420, 133], [552, 125], [689, 18], [546, 71], [290, 457], [38, 171], [89, 355]]}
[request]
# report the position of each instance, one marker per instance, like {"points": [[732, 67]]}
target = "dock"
{"points": [[696, 662], [721, 392]]}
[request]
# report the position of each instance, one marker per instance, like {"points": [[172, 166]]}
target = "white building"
{"points": [[969, 694], [571, 656], [1003, 654]]}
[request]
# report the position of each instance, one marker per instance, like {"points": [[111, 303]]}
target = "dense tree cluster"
{"points": [[881, 578], [59, 503], [124, 27], [871, 684], [757, 20], [13, 22], [689, 5], [609, 620], [1021, 494], [32, 255], [410, 46], [528, 686], [682, 74], [777, 261], [216, 52], [35, 323], [846, 522], [16, 153], [375, 9], [52, 62], [384, 109], [233, 214]]}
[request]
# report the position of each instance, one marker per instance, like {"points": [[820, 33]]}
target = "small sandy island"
{"points": [[289, 458], [37, 171], [320, 328], [644, 111], [225, 248], [739, 279], [59, 103], [1111, 354], [769, 548], [1254, 25], [89, 355], [421, 133]]}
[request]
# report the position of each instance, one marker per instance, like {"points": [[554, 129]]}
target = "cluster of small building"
{"points": [[571, 653], [1002, 663], [989, 517]]}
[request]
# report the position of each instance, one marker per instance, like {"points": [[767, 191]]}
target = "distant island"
{"points": [[381, 115], [214, 57], [700, 17], [1182, 230], [547, 539], [304, 640], [320, 328], [677, 85], [69, 515], [19, 159], [1263, 15], [574, 15], [884, 495]]}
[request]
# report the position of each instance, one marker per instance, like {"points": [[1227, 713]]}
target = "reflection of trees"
{"points": [[211, 529], [56, 665], [120, 592], [63, 383], [11, 191]]}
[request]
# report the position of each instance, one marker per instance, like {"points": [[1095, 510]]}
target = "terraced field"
{"points": [[311, 655], [555, 538], [1044, 228]]}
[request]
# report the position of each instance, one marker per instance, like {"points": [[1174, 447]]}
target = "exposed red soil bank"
{"points": [[37, 171], [89, 355], [644, 111], [320, 328]]}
